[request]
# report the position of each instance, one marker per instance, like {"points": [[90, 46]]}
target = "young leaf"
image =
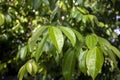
{"points": [[40, 47], [21, 72], [70, 34], [2, 19], [29, 68], [56, 37], [35, 68], [82, 61], [91, 41], [23, 52], [35, 35], [68, 64], [94, 61]]}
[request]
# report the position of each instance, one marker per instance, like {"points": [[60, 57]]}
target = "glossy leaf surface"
{"points": [[91, 41], [94, 61], [70, 34], [1, 19], [56, 37], [82, 61]]}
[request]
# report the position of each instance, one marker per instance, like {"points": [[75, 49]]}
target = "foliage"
{"points": [[59, 39]]}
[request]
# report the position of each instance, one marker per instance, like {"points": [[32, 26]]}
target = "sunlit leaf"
{"points": [[21, 72], [35, 35], [79, 36], [35, 68], [94, 61], [56, 36], [1, 19], [82, 61], [23, 52], [74, 12], [103, 41], [70, 34], [101, 24], [68, 64], [62, 5], [29, 67], [91, 40], [82, 10]]}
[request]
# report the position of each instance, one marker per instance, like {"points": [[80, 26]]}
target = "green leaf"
{"points": [[115, 50], [46, 2], [91, 19], [111, 55], [61, 5], [82, 61], [36, 3], [70, 34], [74, 12], [94, 61], [91, 41], [8, 19], [85, 19], [101, 24], [79, 36], [21, 72], [35, 35], [29, 67], [40, 47], [3, 66], [79, 17], [82, 10], [56, 37], [68, 64], [79, 1], [103, 41], [35, 68], [2, 19], [23, 52]]}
